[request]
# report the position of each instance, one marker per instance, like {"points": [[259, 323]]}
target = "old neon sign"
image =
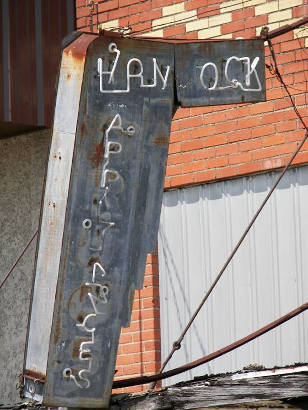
{"points": [[209, 68], [105, 184]]}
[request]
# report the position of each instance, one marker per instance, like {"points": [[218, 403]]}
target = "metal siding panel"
{"points": [[205, 244], [39, 62], [31, 57], [302, 195], [287, 259], [218, 252], [252, 267], [6, 61], [172, 312], [195, 261], [70, 15], [265, 272], [23, 74], [51, 43], [1, 64], [265, 280], [239, 279]]}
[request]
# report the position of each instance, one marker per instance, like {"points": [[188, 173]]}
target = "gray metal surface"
{"points": [[224, 72], [101, 212], [117, 178], [22, 168], [266, 279], [112, 217], [53, 218]]}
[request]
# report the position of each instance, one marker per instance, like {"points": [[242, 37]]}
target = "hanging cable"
{"points": [[34, 234], [177, 343], [205, 359], [18, 259]]}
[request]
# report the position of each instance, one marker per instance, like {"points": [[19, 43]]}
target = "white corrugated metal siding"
{"points": [[267, 278]]}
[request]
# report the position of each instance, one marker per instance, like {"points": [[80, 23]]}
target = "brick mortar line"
{"points": [[227, 121], [142, 340], [282, 110], [232, 165], [139, 353], [154, 352]]}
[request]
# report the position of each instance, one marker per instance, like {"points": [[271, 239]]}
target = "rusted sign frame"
{"points": [[55, 202], [101, 123]]}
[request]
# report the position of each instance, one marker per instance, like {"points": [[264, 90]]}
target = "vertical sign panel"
{"points": [[117, 171], [108, 159], [112, 213], [53, 218]]}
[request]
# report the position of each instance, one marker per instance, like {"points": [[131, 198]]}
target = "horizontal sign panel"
{"points": [[220, 72]]}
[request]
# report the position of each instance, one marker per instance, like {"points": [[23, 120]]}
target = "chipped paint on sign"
{"points": [[104, 192]]}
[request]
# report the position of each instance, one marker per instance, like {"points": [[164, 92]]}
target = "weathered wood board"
{"points": [[216, 391]]}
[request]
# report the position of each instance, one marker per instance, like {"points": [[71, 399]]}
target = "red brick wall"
{"points": [[212, 143], [139, 349]]}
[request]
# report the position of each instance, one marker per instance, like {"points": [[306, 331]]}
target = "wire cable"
{"points": [[134, 381], [18, 259], [34, 234], [177, 343]]}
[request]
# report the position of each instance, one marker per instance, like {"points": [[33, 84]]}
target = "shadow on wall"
{"points": [[182, 309], [260, 183]]}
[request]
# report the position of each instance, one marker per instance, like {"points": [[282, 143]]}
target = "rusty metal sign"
{"points": [[103, 196], [226, 72]]}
